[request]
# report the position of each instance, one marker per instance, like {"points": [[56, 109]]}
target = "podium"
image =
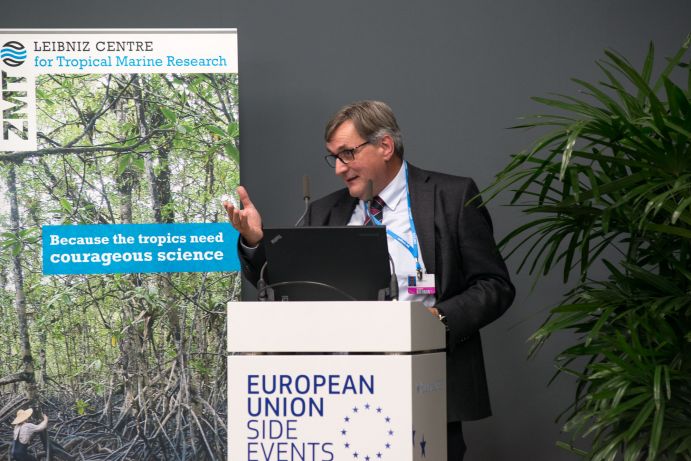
{"points": [[335, 381]]}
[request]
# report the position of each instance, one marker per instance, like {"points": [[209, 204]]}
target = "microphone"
{"points": [[264, 292], [369, 196], [392, 291], [306, 197], [393, 282], [306, 188]]}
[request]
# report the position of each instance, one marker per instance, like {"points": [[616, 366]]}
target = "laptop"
{"points": [[326, 263]]}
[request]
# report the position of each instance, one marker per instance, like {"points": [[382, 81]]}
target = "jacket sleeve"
{"points": [[251, 261], [484, 287]]}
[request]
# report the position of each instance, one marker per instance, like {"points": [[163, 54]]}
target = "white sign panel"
{"points": [[337, 407]]}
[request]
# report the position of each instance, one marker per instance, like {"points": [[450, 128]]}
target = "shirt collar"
{"points": [[394, 192]]}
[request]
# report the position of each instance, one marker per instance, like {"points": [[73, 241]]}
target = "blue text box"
{"points": [[136, 248]]}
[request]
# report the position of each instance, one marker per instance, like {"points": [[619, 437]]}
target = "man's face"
{"points": [[371, 162]]}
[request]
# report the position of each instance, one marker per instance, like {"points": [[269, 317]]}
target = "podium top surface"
{"points": [[333, 326]]}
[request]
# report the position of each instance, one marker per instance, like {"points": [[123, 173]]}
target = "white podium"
{"points": [[335, 381]]}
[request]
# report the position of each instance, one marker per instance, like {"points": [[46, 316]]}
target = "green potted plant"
{"points": [[610, 186]]}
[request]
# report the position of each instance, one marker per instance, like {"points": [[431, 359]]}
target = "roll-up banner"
{"points": [[116, 255]]}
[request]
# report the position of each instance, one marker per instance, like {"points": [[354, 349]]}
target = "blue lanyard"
{"points": [[413, 249]]}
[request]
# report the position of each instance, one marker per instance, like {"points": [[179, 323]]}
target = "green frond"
{"points": [[614, 173]]}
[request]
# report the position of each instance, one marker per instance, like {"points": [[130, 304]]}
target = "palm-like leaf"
{"points": [[618, 167], [615, 172]]}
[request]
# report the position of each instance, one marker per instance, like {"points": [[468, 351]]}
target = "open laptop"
{"points": [[326, 263]]}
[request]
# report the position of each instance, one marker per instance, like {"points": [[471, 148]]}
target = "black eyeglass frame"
{"points": [[345, 156]]}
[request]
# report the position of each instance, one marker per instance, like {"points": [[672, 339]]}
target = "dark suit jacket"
{"points": [[472, 283]]}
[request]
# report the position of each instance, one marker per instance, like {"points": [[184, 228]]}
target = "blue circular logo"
{"points": [[13, 54]]}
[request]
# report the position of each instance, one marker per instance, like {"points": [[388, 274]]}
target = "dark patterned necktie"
{"points": [[376, 209]]}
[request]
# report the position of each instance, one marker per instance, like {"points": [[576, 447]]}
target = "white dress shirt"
{"points": [[396, 219]]}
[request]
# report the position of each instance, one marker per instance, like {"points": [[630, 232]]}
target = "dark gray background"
{"points": [[457, 73]]}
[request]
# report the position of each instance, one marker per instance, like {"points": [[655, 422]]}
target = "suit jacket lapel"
{"points": [[422, 206], [342, 210]]}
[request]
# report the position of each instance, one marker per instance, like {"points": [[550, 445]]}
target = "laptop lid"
{"points": [[327, 263]]}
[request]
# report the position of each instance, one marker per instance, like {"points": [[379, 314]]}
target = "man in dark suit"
{"points": [[467, 284]]}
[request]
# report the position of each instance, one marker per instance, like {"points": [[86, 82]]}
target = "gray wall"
{"points": [[457, 73]]}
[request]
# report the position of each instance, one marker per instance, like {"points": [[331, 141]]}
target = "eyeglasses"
{"points": [[345, 156]]}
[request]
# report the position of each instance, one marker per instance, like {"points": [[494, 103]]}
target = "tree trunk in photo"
{"points": [[5, 366], [19, 295], [131, 345], [144, 131], [43, 375]]}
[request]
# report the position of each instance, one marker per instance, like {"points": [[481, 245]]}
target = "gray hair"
{"points": [[372, 119]]}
